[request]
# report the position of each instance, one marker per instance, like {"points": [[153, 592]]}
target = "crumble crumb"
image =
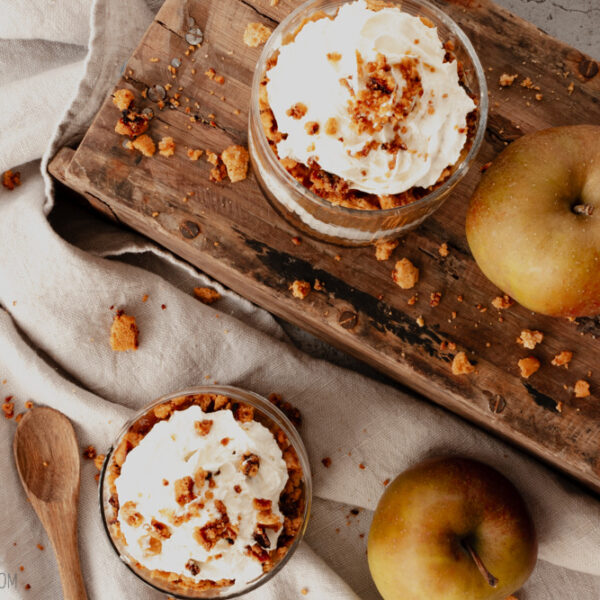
{"points": [[145, 145], [539, 97], [405, 274], [527, 83], [296, 240], [312, 127], [331, 126], [11, 180], [530, 339], [507, 80], [99, 461], [562, 359], [123, 99], [461, 364], [420, 321], [528, 366], [206, 295], [90, 453], [383, 250], [297, 111], [334, 56], [303, 591], [571, 88], [235, 159], [124, 333], [166, 146], [194, 154], [443, 250], [582, 389], [203, 427], [300, 289], [8, 408], [435, 298], [274, 2], [212, 158], [412, 300], [326, 462], [256, 34], [502, 302]]}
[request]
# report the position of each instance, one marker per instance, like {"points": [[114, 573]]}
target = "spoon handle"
{"points": [[63, 535]]}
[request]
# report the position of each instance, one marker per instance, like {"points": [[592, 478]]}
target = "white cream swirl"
{"points": [[432, 134], [173, 450]]}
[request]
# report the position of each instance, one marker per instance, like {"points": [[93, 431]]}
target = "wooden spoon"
{"points": [[47, 457]]}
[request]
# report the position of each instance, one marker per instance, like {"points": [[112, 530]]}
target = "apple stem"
{"points": [[492, 581], [583, 209]]}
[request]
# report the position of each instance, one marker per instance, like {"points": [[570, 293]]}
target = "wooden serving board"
{"points": [[233, 234]]}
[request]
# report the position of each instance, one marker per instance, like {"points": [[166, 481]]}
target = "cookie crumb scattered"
{"points": [[236, 159], [582, 389], [461, 364], [166, 146], [256, 34], [571, 88], [123, 99], [90, 453], [420, 321], [194, 154], [443, 250], [145, 145], [528, 366], [11, 180], [303, 591], [435, 299], [507, 80], [206, 295], [502, 302], [562, 359], [124, 333], [384, 250], [326, 462], [530, 339], [300, 289], [405, 274]]}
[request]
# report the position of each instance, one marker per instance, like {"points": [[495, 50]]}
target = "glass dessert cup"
{"points": [[266, 413], [341, 225]]}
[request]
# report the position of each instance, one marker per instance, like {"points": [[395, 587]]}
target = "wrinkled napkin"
{"points": [[61, 269]]}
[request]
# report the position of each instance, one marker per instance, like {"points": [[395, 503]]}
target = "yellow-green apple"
{"points": [[451, 528], [533, 224]]}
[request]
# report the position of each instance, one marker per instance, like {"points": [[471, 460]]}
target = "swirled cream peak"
{"points": [[196, 492], [368, 96]]}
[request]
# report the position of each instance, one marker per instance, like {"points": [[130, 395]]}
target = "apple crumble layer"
{"points": [[367, 108], [206, 494]]}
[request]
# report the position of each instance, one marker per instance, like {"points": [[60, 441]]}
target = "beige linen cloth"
{"points": [[58, 280]]}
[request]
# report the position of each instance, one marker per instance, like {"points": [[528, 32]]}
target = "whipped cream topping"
{"points": [[336, 70], [173, 450]]}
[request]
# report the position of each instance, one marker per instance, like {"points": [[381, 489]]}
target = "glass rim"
{"points": [[482, 108], [274, 414]]}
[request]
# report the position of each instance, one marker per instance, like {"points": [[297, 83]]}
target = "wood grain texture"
{"points": [[233, 234], [47, 457]]}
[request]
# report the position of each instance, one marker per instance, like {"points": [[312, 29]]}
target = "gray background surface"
{"points": [[576, 22]]}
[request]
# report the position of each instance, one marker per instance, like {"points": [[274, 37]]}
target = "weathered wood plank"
{"points": [[244, 243]]}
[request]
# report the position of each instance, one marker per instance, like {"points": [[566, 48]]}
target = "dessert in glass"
{"points": [[206, 492], [364, 115]]}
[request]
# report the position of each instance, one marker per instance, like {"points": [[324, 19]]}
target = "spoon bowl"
{"points": [[47, 458]]}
